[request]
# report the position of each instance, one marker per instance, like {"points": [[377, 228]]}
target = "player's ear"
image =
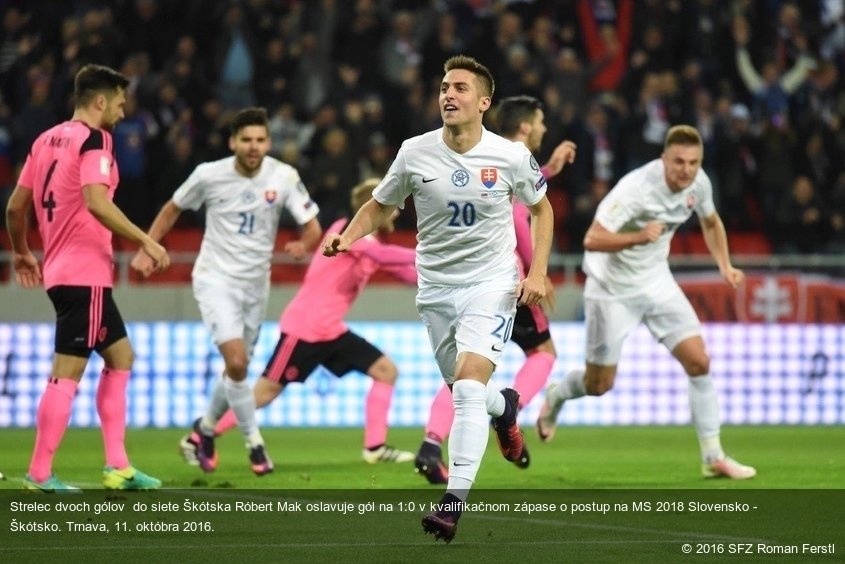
{"points": [[485, 103], [232, 143]]}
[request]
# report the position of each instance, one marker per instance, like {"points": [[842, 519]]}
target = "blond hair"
{"points": [[362, 193], [682, 135]]}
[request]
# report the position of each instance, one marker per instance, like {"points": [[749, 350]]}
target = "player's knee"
{"points": [[598, 387], [236, 367], [547, 347], [383, 370], [120, 355], [698, 365]]}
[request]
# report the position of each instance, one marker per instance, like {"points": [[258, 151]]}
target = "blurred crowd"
{"points": [[346, 81]]}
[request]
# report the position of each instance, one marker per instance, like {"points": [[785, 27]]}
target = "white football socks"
{"points": [[704, 407], [242, 401], [468, 439]]}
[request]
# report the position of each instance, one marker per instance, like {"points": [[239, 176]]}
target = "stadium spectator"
{"points": [[606, 32], [629, 281], [274, 69], [836, 244], [771, 88], [71, 174], [443, 43], [313, 331], [131, 151], [521, 119], [186, 70], [357, 44], [335, 163], [599, 145], [468, 325], [244, 196], [778, 155], [801, 219], [37, 114], [400, 52], [584, 207], [235, 56], [571, 77], [737, 167]]}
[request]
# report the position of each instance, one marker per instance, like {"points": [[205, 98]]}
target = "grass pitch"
{"points": [[595, 494]]}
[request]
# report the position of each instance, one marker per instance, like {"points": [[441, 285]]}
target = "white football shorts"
{"points": [[477, 319], [232, 308], [669, 317]]}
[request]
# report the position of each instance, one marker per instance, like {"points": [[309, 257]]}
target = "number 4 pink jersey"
{"points": [[77, 247]]}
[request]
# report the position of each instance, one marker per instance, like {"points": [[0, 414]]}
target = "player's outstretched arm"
{"points": [[717, 243], [27, 272], [368, 219], [599, 239], [143, 262], [107, 213]]}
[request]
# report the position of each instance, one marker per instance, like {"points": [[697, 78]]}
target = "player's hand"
{"points": [[161, 260], [651, 232], [549, 302], [733, 276], [566, 152], [296, 249], [27, 271], [531, 290], [334, 244], [142, 263], [562, 155]]}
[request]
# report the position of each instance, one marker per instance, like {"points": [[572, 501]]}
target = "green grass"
{"points": [[799, 496]]}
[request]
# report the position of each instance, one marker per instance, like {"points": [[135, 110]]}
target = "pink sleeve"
{"points": [[95, 168], [524, 246], [396, 260], [544, 170], [25, 179]]}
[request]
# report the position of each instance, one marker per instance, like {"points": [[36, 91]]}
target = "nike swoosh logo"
{"points": [[456, 464], [427, 180], [498, 349]]}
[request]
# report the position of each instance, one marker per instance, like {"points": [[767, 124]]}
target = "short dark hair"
{"points": [[247, 117], [513, 111], [91, 80], [488, 86]]}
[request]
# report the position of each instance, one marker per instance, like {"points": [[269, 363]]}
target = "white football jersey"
{"points": [[639, 197], [465, 230], [242, 214]]}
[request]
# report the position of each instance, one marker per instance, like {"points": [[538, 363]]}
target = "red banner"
{"points": [[783, 298]]}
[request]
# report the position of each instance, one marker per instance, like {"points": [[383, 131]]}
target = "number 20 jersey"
{"points": [[465, 231], [64, 159]]}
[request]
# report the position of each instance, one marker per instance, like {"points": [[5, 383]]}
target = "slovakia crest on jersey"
{"points": [[270, 196], [489, 176]]}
